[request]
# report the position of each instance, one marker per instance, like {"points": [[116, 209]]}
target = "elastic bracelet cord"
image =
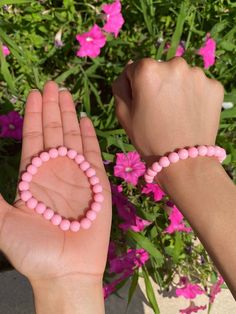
{"points": [[182, 154]]}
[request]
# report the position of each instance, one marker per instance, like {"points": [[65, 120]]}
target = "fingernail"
{"points": [[34, 90], [61, 89], [83, 114], [130, 61]]}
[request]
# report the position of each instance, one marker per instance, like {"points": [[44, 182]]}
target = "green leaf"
{"points": [[150, 292], [178, 247], [178, 31], [146, 244], [228, 113], [133, 287], [5, 72], [4, 2]]}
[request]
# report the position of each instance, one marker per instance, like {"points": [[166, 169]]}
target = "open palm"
{"points": [[34, 246]]}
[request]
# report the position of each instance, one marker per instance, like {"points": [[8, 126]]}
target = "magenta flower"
{"points": [[125, 265], [154, 189], [216, 288], [179, 51], [11, 125], [176, 222], [208, 52], [127, 212], [114, 18], [129, 167], [91, 42], [5, 50], [189, 291], [193, 308]]}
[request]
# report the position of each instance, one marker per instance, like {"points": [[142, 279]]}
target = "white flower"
{"points": [[227, 105]]}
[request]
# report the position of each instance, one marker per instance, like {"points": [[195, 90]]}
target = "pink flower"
{"points": [[216, 288], [179, 51], [208, 52], [189, 291], [133, 259], [5, 50], [127, 212], [11, 125], [192, 308], [129, 167], [114, 18], [125, 265], [91, 42], [176, 222], [155, 190]]}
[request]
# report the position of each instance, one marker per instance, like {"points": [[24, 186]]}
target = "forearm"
{"points": [[73, 296], [207, 198]]}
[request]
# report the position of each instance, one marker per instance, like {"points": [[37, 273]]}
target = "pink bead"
{"points": [[151, 173], [218, 151], [79, 159], [71, 153], [90, 172], [48, 214], [37, 162], [210, 151], [193, 152], [99, 198], [32, 169], [65, 224], [56, 219], [53, 153], [223, 152], [40, 208], [97, 188], [173, 157], [84, 166], [91, 215], [44, 156], [93, 180], [164, 162], [27, 177], [202, 150], [25, 196], [156, 167], [23, 186], [74, 226], [183, 154], [32, 203], [62, 151], [85, 223], [148, 178], [96, 207]]}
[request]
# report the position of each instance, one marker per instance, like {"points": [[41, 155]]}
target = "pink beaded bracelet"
{"points": [[48, 213], [181, 154]]}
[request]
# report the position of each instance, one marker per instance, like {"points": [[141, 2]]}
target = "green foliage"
{"points": [[28, 28]]}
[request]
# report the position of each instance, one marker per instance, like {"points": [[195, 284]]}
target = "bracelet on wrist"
{"points": [[182, 154]]}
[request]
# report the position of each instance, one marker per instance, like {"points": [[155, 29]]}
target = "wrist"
{"points": [[186, 170], [71, 294]]}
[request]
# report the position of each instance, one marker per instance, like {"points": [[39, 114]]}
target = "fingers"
{"points": [[32, 128], [123, 100], [71, 129], [52, 124], [90, 143]]}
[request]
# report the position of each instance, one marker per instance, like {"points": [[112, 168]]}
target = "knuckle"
{"points": [[32, 134], [72, 132], [53, 125], [198, 72], [219, 88], [146, 66], [179, 65]]}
